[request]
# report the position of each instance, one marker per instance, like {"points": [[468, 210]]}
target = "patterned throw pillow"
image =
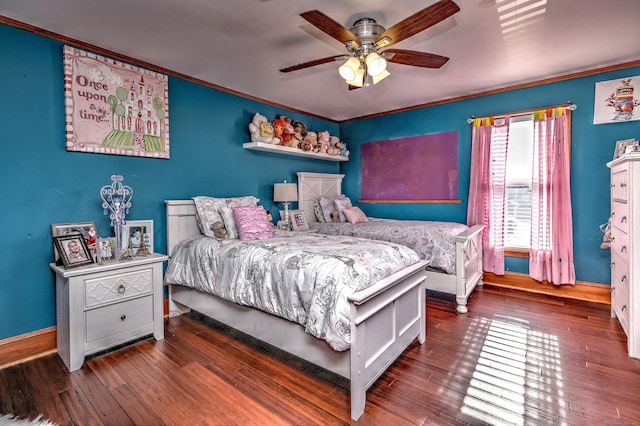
{"points": [[252, 223], [354, 215], [208, 210], [317, 210], [342, 204], [327, 204]]}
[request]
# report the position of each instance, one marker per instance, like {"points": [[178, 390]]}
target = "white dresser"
{"points": [[625, 247], [102, 306]]}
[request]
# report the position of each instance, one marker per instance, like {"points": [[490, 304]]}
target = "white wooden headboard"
{"points": [[181, 222], [312, 186]]}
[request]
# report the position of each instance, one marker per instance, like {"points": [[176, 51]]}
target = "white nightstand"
{"points": [[101, 306]]}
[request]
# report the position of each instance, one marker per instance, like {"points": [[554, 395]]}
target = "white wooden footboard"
{"points": [[468, 264], [384, 321]]}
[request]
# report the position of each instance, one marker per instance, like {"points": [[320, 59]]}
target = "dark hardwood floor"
{"points": [[515, 358]]}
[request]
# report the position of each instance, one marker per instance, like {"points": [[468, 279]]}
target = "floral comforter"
{"points": [[303, 277], [433, 241]]}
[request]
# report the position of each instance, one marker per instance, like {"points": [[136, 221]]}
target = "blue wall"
{"points": [[592, 147], [45, 184]]}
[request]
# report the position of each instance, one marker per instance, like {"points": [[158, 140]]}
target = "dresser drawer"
{"points": [[619, 184], [118, 323], [620, 216], [620, 244], [116, 287], [620, 305]]}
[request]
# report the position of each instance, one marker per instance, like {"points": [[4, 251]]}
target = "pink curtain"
{"points": [[551, 253], [487, 188]]}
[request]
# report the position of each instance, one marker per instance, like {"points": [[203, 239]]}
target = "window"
{"points": [[517, 216]]}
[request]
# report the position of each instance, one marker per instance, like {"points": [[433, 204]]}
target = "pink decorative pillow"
{"points": [[354, 215], [252, 223]]}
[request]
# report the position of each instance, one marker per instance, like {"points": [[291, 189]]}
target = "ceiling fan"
{"points": [[367, 44]]}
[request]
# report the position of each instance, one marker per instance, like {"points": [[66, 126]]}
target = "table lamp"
{"points": [[285, 193]]}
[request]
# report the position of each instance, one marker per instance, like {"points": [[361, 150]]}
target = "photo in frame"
{"points": [[298, 222], [87, 229], [107, 251], [137, 237], [73, 250], [625, 146]]}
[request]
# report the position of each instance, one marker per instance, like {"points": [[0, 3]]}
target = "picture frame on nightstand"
{"points": [[298, 222], [87, 229], [107, 250], [73, 250], [137, 237]]}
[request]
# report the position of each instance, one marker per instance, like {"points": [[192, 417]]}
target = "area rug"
{"points": [[10, 420]]}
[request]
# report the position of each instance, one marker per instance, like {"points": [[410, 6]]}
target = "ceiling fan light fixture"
{"points": [[377, 78], [349, 69], [376, 64], [358, 81]]}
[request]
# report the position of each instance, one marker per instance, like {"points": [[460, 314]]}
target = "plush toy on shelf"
{"points": [[261, 130], [343, 149], [323, 142], [310, 141], [281, 132], [334, 146]]}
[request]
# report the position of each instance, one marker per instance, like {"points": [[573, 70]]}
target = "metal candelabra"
{"points": [[116, 201]]}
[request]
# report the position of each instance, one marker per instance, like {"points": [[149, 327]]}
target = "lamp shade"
{"points": [[349, 69], [384, 74], [376, 64], [285, 192], [359, 80]]}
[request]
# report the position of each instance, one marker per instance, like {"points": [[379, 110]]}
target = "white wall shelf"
{"points": [[279, 149]]}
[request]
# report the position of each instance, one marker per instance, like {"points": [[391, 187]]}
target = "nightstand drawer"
{"points": [[116, 287], [118, 323]]}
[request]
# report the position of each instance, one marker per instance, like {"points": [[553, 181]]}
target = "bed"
{"points": [[457, 268], [384, 318]]}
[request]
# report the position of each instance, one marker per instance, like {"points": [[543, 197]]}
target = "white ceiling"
{"points": [[241, 44]]}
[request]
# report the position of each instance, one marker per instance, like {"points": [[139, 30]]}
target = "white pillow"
{"points": [[342, 204], [327, 204], [208, 210], [317, 210]]}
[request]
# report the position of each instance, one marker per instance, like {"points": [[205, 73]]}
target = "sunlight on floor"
{"points": [[517, 378]]}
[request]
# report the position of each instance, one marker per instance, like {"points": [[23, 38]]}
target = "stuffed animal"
{"points": [[335, 216], [281, 132], [334, 146], [310, 141], [343, 150], [288, 125], [299, 127], [219, 231], [261, 130], [323, 142]]}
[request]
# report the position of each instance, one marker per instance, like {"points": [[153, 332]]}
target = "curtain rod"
{"points": [[571, 106]]}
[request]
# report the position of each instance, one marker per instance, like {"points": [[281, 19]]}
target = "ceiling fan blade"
{"points": [[413, 58], [313, 63], [352, 87], [417, 22], [331, 27]]}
